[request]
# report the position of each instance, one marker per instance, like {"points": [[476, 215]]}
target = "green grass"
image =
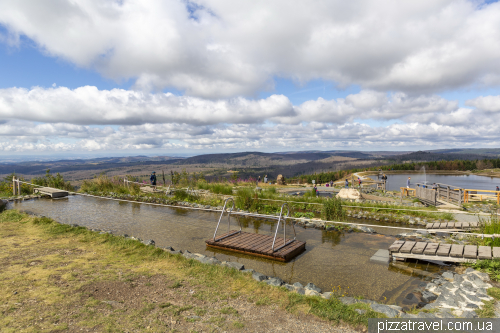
{"points": [[237, 324], [176, 284], [492, 267], [487, 311]]}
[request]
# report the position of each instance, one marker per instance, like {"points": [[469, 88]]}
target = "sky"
{"points": [[180, 77]]}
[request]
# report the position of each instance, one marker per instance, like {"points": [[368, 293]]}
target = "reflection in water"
{"points": [[331, 258], [332, 237]]}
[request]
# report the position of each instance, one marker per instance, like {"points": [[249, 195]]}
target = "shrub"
{"points": [[56, 181], [332, 209], [244, 199]]}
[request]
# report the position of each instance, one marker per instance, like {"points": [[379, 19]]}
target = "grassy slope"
{"points": [[49, 272]]}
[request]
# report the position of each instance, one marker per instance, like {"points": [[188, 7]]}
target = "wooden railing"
{"points": [[473, 195], [408, 192]]}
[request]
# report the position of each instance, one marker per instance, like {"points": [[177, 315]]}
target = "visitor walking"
{"points": [[152, 179], [315, 190], [346, 183], [331, 183], [359, 182], [258, 180], [498, 189], [408, 182], [265, 179]]}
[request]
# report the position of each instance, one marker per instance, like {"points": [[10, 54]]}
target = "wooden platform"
{"points": [[52, 192], [258, 245], [442, 252], [452, 225]]}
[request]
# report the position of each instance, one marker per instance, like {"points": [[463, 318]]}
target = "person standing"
{"points": [[346, 183], [152, 179], [315, 190], [331, 183], [498, 189], [408, 182], [258, 180], [265, 179]]}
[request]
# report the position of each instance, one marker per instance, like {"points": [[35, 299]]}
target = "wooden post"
{"points": [[14, 185], [448, 194], [18, 187], [498, 198]]}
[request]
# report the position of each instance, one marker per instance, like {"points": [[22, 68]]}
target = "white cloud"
{"points": [[90, 106], [227, 48], [485, 103]]}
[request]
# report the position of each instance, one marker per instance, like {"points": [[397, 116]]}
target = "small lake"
{"points": [[394, 182], [331, 258]]}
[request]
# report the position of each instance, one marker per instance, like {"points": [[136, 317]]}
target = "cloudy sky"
{"points": [[132, 77]]}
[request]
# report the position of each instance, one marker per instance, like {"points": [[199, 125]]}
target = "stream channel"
{"points": [[331, 259]]}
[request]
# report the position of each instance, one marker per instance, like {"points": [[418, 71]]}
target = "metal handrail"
{"points": [[284, 228], [228, 220]]}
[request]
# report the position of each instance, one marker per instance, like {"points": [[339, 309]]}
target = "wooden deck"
{"points": [[442, 252], [452, 225], [52, 192], [258, 245]]}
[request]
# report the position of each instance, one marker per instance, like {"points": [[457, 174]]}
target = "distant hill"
{"points": [[247, 163]]}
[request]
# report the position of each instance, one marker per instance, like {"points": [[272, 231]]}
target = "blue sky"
{"points": [[196, 79]]}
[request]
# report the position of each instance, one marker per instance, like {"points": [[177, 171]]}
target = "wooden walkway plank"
{"points": [[443, 250], [451, 225], [474, 224], [396, 246], [407, 246], [465, 225], [496, 252], [484, 252], [470, 251], [443, 225], [419, 248], [458, 225], [457, 251], [431, 249]]}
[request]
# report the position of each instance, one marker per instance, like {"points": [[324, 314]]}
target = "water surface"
{"points": [[394, 182], [331, 258]]}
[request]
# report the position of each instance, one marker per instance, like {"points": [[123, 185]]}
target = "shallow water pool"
{"points": [[331, 258]]}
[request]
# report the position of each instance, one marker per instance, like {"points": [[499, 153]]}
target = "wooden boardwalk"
{"points": [[258, 245], [52, 192], [442, 252], [452, 225]]}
